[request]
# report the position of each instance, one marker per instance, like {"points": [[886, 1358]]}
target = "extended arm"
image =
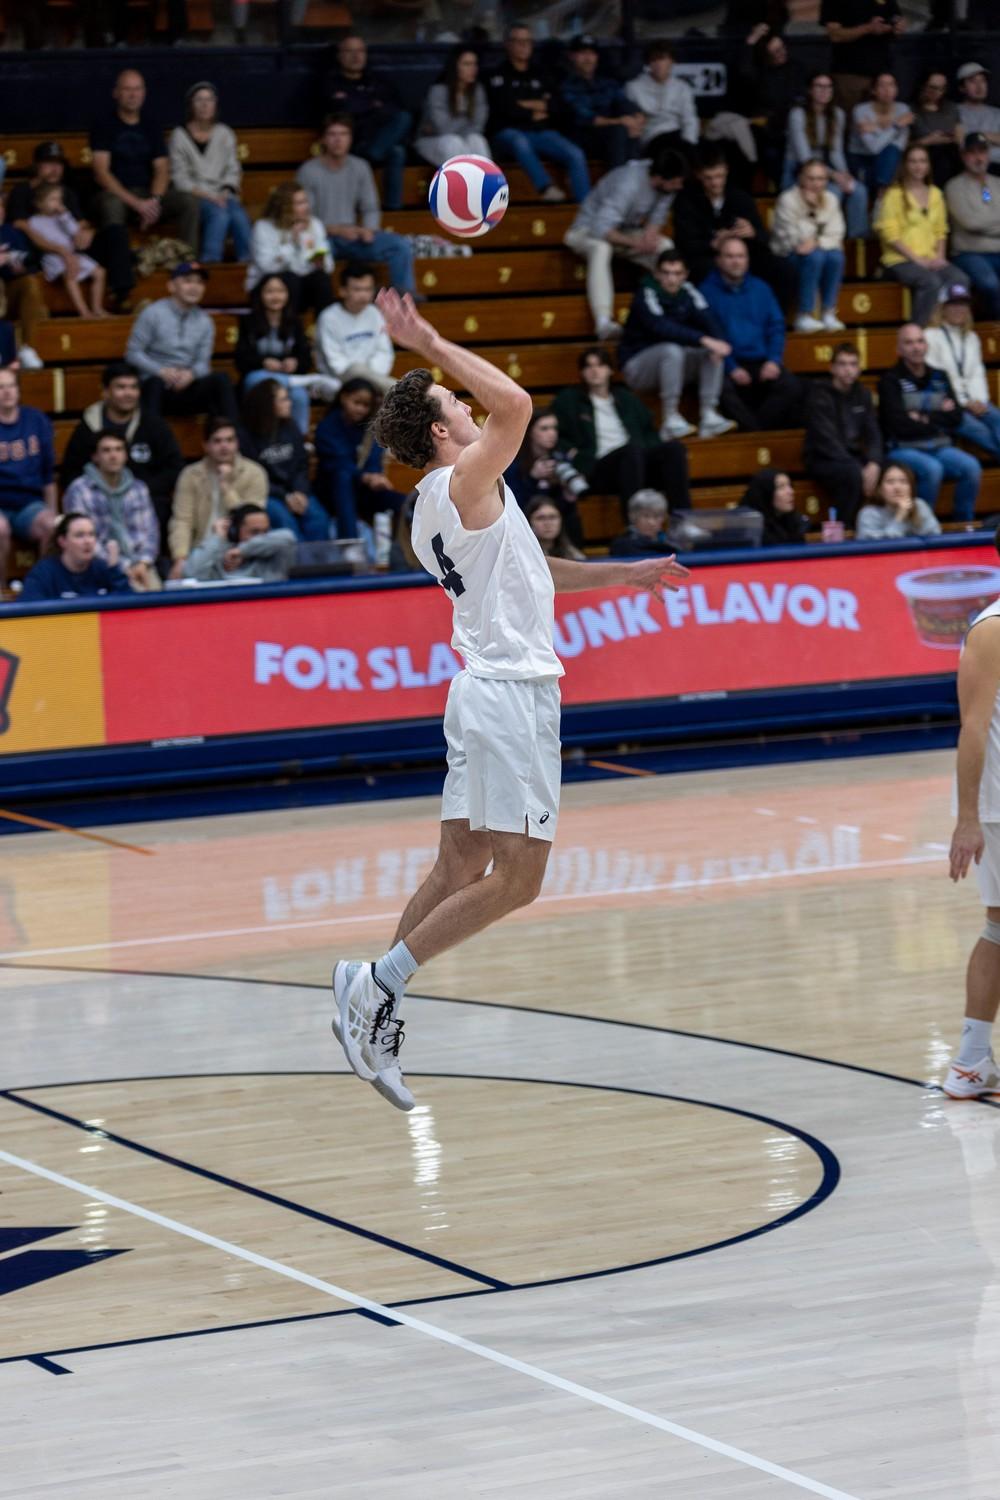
{"points": [[978, 681], [651, 575]]}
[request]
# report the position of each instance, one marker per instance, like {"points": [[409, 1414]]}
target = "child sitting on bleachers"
{"points": [[53, 223]]}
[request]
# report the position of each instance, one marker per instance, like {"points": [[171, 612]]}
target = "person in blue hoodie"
{"points": [[758, 392], [27, 471], [72, 569], [349, 478], [672, 336]]}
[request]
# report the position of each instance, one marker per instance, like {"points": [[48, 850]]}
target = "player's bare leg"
{"points": [[462, 859], [973, 1071]]}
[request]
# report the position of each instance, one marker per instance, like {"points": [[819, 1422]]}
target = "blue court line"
{"points": [[253, 1192]]}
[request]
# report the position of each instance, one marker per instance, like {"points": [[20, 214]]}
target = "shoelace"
{"points": [[392, 1034]]}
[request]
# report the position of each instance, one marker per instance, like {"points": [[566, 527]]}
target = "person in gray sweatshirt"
{"points": [[242, 548], [171, 346], [973, 199]]}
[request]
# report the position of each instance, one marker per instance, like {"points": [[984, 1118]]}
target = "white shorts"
{"points": [[504, 763], [988, 868]]}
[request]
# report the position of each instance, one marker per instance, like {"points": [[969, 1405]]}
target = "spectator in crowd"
{"points": [[913, 228], [27, 469], [711, 209], [520, 122], [771, 495], [71, 568], [808, 230], [290, 242], [109, 246], [8, 346], [272, 346], [669, 115], [936, 125], [152, 452], [861, 33], [344, 198], [59, 235], [543, 469], [242, 547], [271, 438], [973, 199], [212, 487], [205, 163], [455, 112], [767, 83], [953, 346], [647, 513], [545, 520], [976, 115], [350, 335], [119, 505], [757, 392], [880, 129], [843, 444], [816, 133], [22, 295], [671, 337], [895, 511], [370, 103], [611, 438], [131, 167], [171, 345], [603, 120], [350, 478], [920, 419], [623, 215]]}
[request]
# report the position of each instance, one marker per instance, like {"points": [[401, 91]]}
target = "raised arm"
{"points": [[508, 408], [650, 575]]}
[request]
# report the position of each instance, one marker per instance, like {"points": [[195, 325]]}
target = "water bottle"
{"points": [[383, 538]]}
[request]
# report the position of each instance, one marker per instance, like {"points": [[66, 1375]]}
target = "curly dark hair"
{"points": [[403, 423]]}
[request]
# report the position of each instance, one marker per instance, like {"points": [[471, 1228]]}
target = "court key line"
{"points": [[392, 916], [441, 1335]]}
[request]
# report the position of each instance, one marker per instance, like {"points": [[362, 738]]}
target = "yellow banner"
{"points": [[51, 688]]}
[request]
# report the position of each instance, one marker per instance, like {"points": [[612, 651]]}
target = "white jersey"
{"points": [[501, 589], [989, 786]]}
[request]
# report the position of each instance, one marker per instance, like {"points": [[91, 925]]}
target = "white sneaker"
{"points": [[607, 328], [713, 424], [358, 999], [675, 426], [832, 323], [974, 1080], [29, 359], [553, 194], [805, 324]]}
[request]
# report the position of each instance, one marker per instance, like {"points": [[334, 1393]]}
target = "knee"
{"points": [[4, 532], [43, 526]]}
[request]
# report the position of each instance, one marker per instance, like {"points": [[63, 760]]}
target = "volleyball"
{"points": [[468, 196]]}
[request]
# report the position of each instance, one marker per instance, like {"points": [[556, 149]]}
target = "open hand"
{"points": [[656, 575], [403, 323], [966, 846]]}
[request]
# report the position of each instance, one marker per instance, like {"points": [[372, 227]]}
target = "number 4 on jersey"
{"points": [[449, 578]]}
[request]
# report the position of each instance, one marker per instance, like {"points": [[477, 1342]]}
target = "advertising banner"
{"points": [[243, 665]]}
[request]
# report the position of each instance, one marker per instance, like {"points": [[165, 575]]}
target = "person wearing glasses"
{"points": [[973, 199], [936, 125]]}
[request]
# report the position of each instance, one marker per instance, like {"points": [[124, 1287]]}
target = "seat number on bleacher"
{"points": [[450, 580]]}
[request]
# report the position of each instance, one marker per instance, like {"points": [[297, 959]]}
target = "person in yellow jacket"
{"points": [[912, 224], [212, 488]]}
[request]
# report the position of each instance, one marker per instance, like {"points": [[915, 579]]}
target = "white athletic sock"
{"points": [[396, 968], [977, 1040]]}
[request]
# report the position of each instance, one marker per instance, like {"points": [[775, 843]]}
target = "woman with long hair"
{"points": [[816, 133], [273, 440], [880, 129], [291, 242], [936, 125], [953, 346], [271, 345], [543, 468], [546, 522], [455, 112], [895, 510], [350, 478], [204, 161], [808, 231], [770, 493], [912, 224]]}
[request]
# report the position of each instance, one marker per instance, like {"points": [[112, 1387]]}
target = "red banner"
{"points": [[242, 665]]}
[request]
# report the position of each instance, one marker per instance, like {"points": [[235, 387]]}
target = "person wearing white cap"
{"points": [[953, 346], [973, 199], [973, 111]]}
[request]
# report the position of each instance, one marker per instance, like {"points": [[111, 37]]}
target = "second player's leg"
{"points": [[463, 856], [515, 880]]}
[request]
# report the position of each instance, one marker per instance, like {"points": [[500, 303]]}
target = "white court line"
{"points": [[391, 916], [442, 1335]]}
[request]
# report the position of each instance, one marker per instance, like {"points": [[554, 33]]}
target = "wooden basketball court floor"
{"points": [[676, 1214]]}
